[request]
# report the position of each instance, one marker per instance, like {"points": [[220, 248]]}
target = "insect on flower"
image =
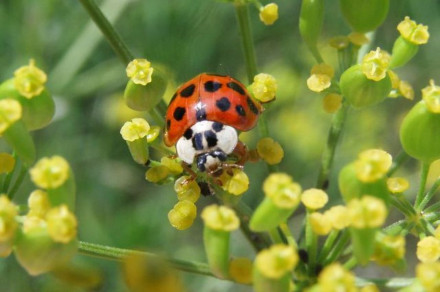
{"points": [[203, 118]]}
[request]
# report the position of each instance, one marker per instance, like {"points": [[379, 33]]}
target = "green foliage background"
{"points": [[115, 205]]}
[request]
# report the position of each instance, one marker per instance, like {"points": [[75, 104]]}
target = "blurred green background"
{"points": [[115, 205]]}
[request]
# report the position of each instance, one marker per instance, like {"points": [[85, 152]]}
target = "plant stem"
{"points": [[430, 194], [286, 231], [311, 245], [396, 227], [118, 254], [332, 141], [403, 206], [400, 159], [422, 186], [337, 248], [328, 244], [351, 263], [18, 181], [391, 283]]}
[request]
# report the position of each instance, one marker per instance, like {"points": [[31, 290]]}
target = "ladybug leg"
{"points": [[241, 152], [188, 169]]}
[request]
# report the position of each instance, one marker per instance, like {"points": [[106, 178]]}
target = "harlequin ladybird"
{"points": [[203, 117]]}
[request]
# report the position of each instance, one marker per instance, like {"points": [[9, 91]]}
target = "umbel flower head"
{"points": [[411, 31], [29, 80], [269, 13], [140, 71], [50, 173], [375, 64], [367, 212], [10, 112], [372, 165], [264, 87]]}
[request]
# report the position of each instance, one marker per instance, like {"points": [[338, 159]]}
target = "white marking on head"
{"points": [[185, 150]]}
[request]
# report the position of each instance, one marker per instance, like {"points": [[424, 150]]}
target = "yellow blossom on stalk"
{"points": [[276, 261], [187, 189], [397, 184], [50, 173], [428, 249], [32, 223], [431, 96], [264, 87], [182, 215], [320, 78], [153, 133], [269, 13], [367, 212], [375, 64], [235, 184], [411, 31], [29, 80], [38, 203], [173, 165], [282, 190], [220, 218], [10, 112], [339, 42], [157, 173], [135, 129], [428, 275], [139, 71], [314, 199], [372, 165], [270, 151], [7, 163], [335, 278], [320, 223], [338, 217], [332, 102], [8, 212], [240, 270], [358, 38], [61, 224]]}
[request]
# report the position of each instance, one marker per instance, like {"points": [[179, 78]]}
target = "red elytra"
{"points": [[210, 97]]}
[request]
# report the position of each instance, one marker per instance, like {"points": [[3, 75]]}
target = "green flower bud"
{"points": [[363, 241], [37, 111], [268, 216], [390, 251], [403, 51], [419, 133], [310, 23], [134, 132], [360, 91], [264, 284], [364, 15]]}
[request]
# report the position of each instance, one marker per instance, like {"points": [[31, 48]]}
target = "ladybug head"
{"points": [[211, 161]]}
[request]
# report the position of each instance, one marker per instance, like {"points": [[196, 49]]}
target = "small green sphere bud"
{"points": [[364, 15], [403, 51]]}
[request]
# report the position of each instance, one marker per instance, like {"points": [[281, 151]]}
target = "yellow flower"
{"points": [[34, 223], [281, 189], [29, 80], [270, 151], [428, 249], [431, 96], [240, 270], [140, 71], [264, 87], [153, 133], [61, 224], [50, 173], [389, 249], [173, 165], [157, 173], [38, 203], [335, 278], [7, 163], [358, 38], [332, 102], [369, 288], [314, 199], [397, 185], [320, 78], [10, 112], [182, 215], [411, 31], [137, 128], [269, 13], [339, 42], [429, 276], [320, 223], [406, 90], [375, 64], [187, 189], [372, 165], [367, 212], [8, 224], [276, 261], [235, 184], [338, 217], [220, 218]]}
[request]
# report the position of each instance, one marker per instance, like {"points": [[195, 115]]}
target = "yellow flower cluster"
{"points": [[137, 128], [29, 80], [397, 185], [428, 249], [335, 218], [140, 71], [220, 218], [276, 261], [372, 165], [429, 276], [269, 13], [10, 112], [335, 278], [375, 64], [270, 151], [8, 223], [50, 173], [182, 215], [431, 96], [236, 182], [367, 212], [282, 190], [320, 77], [411, 31], [388, 249], [187, 189], [264, 87]]}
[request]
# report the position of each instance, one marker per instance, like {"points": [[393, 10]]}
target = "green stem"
{"points": [[332, 141], [311, 245], [338, 248], [351, 263], [390, 283], [422, 186], [403, 206], [400, 159], [328, 244], [289, 236], [18, 181], [434, 208], [430, 194], [396, 227], [119, 254]]}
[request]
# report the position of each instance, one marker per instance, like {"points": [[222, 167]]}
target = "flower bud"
{"points": [[414, 33], [428, 249], [174, 165], [332, 102], [314, 199], [389, 250], [310, 23], [240, 270], [397, 185], [29, 80], [364, 15], [134, 132], [7, 163], [335, 278], [38, 203], [372, 164], [187, 189], [428, 275], [419, 133], [157, 174], [431, 96], [269, 13], [403, 51], [361, 91], [320, 224], [270, 151], [8, 224], [264, 87], [182, 215], [338, 217], [235, 184], [320, 78], [61, 224], [358, 39]]}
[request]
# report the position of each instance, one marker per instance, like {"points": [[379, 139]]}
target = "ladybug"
{"points": [[203, 117]]}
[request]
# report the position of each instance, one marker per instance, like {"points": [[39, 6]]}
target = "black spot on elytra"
{"points": [[216, 126], [252, 106], [240, 110], [188, 134], [223, 104], [197, 141], [211, 138], [200, 113], [188, 91], [179, 112], [236, 87], [212, 86], [168, 124]]}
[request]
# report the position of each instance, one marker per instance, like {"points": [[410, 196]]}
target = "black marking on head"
{"points": [[179, 112], [187, 91], [252, 106], [236, 87], [197, 141], [219, 154], [240, 110], [173, 98], [188, 134], [216, 126], [201, 160], [211, 138], [223, 104], [168, 124], [212, 86], [200, 113]]}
